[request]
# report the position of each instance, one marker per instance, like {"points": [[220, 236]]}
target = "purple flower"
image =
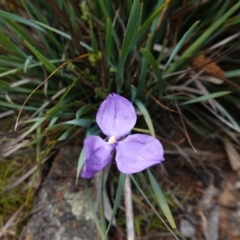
{"points": [[116, 117]]}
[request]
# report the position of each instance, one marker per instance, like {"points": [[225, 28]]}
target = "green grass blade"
{"points": [[161, 199], [72, 14], [40, 17], [117, 200], [108, 40], [80, 122], [149, 21], [56, 108], [21, 31], [90, 202], [36, 140], [11, 47], [83, 110], [232, 73], [27, 63], [115, 36], [15, 70], [227, 115], [200, 41], [89, 48], [104, 9], [34, 126], [41, 58], [17, 106], [33, 12], [154, 64], [129, 35], [181, 42], [146, 116], [103, 219], [81, 160], [59, 3], [149, 203], [211, 29], [129, 3], [205, 97], [16, 18], [151, 60], [63, 34], [160, 57], [143, 72], [94, 42], [140, 15]]}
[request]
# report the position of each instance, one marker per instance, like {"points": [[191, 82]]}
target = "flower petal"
{"points": [[116, 116], [98, 155], [138, 152]]}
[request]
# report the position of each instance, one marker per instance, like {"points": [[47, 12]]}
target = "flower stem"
{"points": [[129, 209]]}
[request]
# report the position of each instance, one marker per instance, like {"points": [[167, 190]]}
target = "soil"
{"points": [[208, 203]]}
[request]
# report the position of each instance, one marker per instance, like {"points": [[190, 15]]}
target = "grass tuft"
{"points": [[177, 61]]}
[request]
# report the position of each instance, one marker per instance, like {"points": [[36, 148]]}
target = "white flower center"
{"points": [[112, 140]]}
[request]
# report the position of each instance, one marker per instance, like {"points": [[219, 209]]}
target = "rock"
{"points": [[186, 228], [61, 210], [211, 230]]}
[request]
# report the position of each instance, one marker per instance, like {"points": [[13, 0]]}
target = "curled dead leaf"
{"points": [[210, 68]]}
